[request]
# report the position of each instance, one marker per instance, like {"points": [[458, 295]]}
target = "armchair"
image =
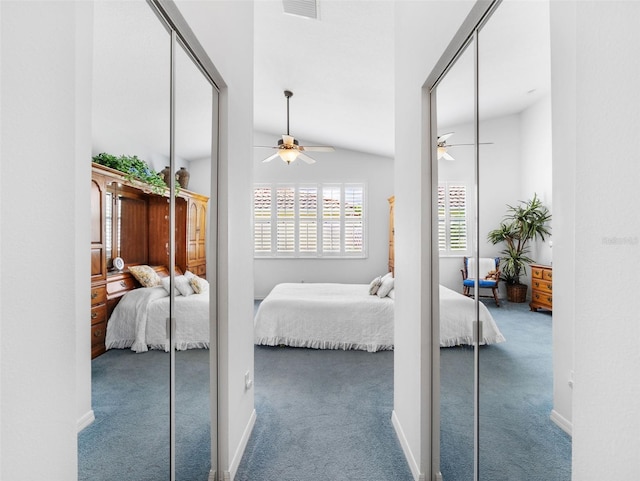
{"points": [[489, 272]]}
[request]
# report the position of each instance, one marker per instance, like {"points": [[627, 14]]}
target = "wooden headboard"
{"points": [[119, 283]]}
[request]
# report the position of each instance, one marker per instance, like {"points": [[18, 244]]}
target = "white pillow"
{"points": [[374, 285], [189, 275], [199, 284], [386, 286], [165, 281], [184, 285], [392, 293]]}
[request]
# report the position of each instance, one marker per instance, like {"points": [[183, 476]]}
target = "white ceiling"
{"points": [[341, 71], [339, 67]]}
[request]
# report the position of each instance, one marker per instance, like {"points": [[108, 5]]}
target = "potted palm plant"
{"points": [[522, 223]]}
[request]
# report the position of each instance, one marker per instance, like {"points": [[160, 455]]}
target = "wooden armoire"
{"points": [[130, 221]]}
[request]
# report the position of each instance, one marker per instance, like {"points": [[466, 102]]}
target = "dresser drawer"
{"points": [[118, 287], [544, 286], [542, 299], [98, 333], [98, 314], [547, 274], [536, 272], [98, 295]]}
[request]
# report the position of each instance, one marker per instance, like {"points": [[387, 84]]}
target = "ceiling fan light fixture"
{"points": [[288, 155]]}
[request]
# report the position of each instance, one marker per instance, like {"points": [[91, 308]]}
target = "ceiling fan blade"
{"points": [[306, 158], [446, 156], [444, 137], [480, 143], [317, 148], [265, 147], [269, 159]]}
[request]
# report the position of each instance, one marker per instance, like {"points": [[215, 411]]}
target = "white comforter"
{"points": [[457, 313], [325, 316], [140, 318]]}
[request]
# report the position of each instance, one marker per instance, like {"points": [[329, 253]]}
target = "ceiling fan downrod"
{"points": [[288, 94]]}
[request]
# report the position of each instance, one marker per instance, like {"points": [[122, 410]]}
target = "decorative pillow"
{"points": [[165, 281], [374, 285], [184, 285], [146, 276], [392, 293], [189, 275], [386, 286], [199, 284]]}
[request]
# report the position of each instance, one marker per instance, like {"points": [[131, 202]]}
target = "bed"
{"points": [[325, 316], [457, 313], [139, 321], [346, 316]]}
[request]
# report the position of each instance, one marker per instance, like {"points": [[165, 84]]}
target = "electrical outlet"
{"points": [[248, 383]]}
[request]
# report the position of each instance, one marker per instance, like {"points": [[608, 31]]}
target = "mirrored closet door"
{"points": [[155, 131], [488, 124]]}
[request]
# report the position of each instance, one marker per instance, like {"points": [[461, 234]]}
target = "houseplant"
{"points": [[522, 223], [133, 168]]}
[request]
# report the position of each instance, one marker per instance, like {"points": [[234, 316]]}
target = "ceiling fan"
{"points": [[443, 146], [288, 147]]}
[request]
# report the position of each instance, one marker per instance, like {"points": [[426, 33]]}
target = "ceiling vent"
{"points": [[302, 8]]}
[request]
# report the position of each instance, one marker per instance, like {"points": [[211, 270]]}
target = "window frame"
{"points": [[343, 219], [448, 251]]}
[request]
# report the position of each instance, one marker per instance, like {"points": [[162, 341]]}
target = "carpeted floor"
{"points": [[325, 415], [129, 440], [518, 441]]}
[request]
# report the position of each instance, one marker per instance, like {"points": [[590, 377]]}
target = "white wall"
{"points": [[420, 38], [340, 166], [44, 186], [225, 30], [594, 93], [537, 174], [499, 177]]}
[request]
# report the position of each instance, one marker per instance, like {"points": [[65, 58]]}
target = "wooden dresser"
{"points": [[541, 287]]}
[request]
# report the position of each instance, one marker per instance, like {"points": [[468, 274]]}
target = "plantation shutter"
{"points": [[442, 220], [285, 215], [353, 218], [457, 217], [262, 220], [308, 219], [452, 217], [331, 219]]}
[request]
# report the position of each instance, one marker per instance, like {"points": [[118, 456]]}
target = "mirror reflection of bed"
{"points": [[132, 221]]}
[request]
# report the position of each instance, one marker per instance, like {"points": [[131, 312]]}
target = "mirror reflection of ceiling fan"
{"points": [[288, 147], [443, 146]]}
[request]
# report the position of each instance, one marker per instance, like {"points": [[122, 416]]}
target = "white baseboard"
{"points": [[85, 420], [237, 457], [411, 460], [562, 422]]}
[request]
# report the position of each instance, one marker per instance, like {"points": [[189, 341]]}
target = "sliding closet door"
{"points": [[516, 375], [194, 140], [131, 117], [455, 165]]}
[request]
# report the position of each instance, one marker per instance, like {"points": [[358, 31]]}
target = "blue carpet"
{"points": [[323, 415], [518, 441], [129, 440]]}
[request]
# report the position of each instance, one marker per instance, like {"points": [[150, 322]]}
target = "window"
{"points": [[452, 218], [309, 220]]}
